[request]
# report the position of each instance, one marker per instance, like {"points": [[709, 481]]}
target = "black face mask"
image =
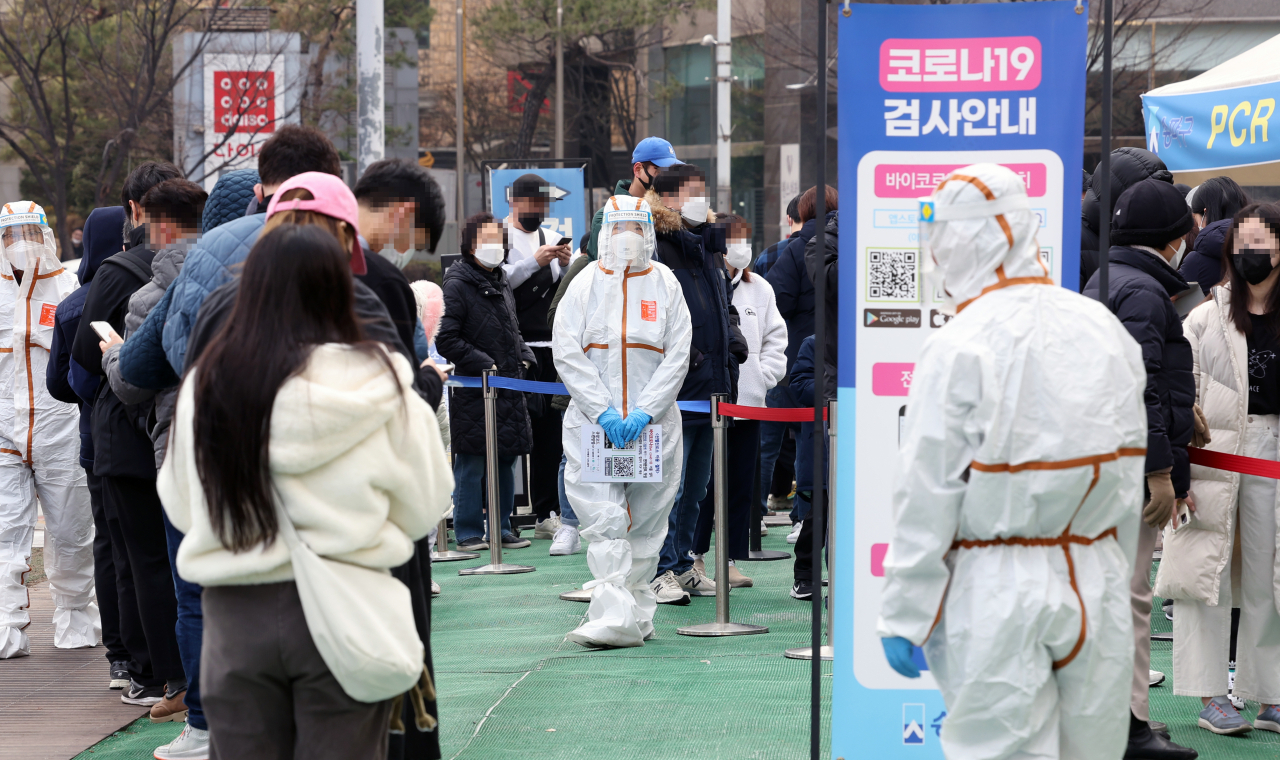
{"points": [[652, 178], [1253, 264], [531, 220]]}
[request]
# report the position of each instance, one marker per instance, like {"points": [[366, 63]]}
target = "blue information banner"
{"points": [[1214, 130], [925, 90], [568, 214]]}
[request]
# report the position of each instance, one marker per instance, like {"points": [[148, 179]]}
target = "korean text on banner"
{"points": [[1214, 130], [924, 91]]}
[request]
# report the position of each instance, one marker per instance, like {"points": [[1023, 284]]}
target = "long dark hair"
{"points": [[1218, 198], [295, 293], [1269, 215]]}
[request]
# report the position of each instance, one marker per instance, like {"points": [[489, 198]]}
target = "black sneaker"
{"points": [[144, 696], [473, 545], [512, 541], [802, 590], [119, 676]]}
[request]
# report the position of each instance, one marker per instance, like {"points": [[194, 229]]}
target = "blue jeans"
{"points": [[682, 523], [772, 434], [190, 629], [567, 517], [468, 495]]}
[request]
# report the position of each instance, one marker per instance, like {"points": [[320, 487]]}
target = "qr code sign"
{"points": [[892, 275], [620, 467]]}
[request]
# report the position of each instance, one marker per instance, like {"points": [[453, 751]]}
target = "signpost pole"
{"points": [[460, 151]]}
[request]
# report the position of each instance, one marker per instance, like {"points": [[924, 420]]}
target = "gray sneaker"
{"points": [[668, 590], [1221, 717], [1268, 719], [546, 529], [695, 581]]}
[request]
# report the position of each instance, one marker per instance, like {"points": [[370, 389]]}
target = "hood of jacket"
{"points": [[103, 238], [341, 397], [1129, 166], [230, 198], [1209, 241], [167, 264], [665, 220]]}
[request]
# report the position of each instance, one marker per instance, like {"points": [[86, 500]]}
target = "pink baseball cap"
{"points": [[331, 197]]}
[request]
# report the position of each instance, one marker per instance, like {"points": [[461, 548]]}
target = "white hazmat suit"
{"points": [[621, 340], [39, 444], [1022, 454]]}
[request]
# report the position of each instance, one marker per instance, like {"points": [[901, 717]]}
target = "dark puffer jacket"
{"points": [[1129, 166], [229, 199], [1139, 293], [1203, 264], [703, 280], [793, 289], [827, 264], [479, 330]]}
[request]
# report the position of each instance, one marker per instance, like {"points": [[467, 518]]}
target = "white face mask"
{"points": [[694, 210], [1176, 261], [401, 260], [490, 254], [21, 252], [738, 255], [628, 246]]}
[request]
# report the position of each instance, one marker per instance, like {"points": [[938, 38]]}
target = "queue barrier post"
{"points": [[722, 626], [442, 552], [495, 566], [826, 651]]}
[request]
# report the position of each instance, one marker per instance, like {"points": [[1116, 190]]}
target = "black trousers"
{"points": [[784, 470], [804, 544], [104, 575], [138, 512], [132, 637], [416, 575], [544, 459], [743, 446]]}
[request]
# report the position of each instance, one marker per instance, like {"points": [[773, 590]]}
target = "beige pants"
{"points": [[1202, 634], [1140, 604]]}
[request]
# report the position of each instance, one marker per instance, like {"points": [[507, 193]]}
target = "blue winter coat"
{"points": [[1139, 294], [802, 390], [229, 199], [793, 289], [1204, 263]]}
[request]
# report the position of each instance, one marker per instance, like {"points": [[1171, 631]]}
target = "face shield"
{"points": [[626, 236], [25, 235], [976, 230]]}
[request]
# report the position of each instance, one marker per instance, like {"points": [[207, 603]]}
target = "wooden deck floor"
{"points": [[56, 703]]}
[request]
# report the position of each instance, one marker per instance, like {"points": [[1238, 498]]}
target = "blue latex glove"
{"points": [[635, 423], [614, 426], [897, 651]]}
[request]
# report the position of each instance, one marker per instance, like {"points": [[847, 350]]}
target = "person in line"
{"points": [[793, 288], [291, 414], [622, 344], [1148, 226], [124, 452], [679, 207], [1018, 461], [765, 333], [650, 158], [807, 568], [39, 444], [1128, 167], [1235, 339], [1213, 203], [122, 636], [770, 255], [480, 331], [535, 264]]}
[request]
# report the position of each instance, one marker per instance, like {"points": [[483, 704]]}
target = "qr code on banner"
{"points": [[620, 467], [892, 275]]}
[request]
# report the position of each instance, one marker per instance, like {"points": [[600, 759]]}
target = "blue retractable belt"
{"points": [[550, 389]]}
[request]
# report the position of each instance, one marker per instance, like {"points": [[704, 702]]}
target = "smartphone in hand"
{"points": [[103, 329]]}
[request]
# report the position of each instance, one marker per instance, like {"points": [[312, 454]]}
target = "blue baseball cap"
{"points": [[656, 151]]}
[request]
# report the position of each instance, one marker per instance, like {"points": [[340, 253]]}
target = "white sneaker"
{"points": [[435, 588], [191, 744], [1155, 677], [668, 589], [696, 582], [764, 529], [547, 528], [566, 541], [794, 535]]}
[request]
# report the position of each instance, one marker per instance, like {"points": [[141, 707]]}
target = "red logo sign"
{"points": [[245, 101], [649, 311], [47, 313]]}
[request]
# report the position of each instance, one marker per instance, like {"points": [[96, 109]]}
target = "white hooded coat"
{"points": [[1019, 461], [40, 452], [621, 340]]}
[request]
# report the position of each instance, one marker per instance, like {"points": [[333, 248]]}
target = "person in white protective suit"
{"points": [[621, 346], [39, 444], [1020, 476]]}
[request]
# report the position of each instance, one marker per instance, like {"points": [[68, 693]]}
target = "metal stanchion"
{"points": [[826, 651], [577, 595], [722, 626], [495, 566], [442, 552]]}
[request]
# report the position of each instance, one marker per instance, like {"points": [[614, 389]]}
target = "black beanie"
{"points": [[1151, 213]]}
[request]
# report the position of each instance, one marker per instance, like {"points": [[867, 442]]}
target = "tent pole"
{"points": [[1104, 218]]}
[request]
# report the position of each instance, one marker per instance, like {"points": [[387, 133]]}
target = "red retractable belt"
{"points": [[769, 415], [1263, 468]]}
